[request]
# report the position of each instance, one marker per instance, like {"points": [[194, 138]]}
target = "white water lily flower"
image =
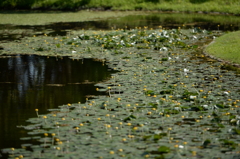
{"points": [[150, 35], [194, 37], [205, 106], [75, 38], [157, 132], [178, 108], [230, 130], [237, 122], [122, 42], [73, 52], [132, 36], [193, 97], [215, 107], [233, 120], [114, 37], [169, 58], [165, 34], [225, 93], [185, 71], [181, 146], [163, 49]]}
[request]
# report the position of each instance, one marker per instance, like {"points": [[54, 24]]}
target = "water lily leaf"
{"points": [[229, 143], [206, 143], [237, 131], [195, 46], [26, 145], [25, 138], [151, 92], [131, 117], [163, 149], [157, 137]]}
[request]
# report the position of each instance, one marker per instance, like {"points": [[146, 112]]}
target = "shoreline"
{"points": [[217, 58], [115, 10]]}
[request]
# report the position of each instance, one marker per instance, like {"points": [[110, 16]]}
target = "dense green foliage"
{"points": [[165, 101], [230, 6]]}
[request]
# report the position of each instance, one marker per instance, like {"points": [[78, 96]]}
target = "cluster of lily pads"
{"points": [[165, 100]]}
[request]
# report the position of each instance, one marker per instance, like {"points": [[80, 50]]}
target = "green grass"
{"points": [[118, 18], [53, 17], [226, 47], [230, 6]]}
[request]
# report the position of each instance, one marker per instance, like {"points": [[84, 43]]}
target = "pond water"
{"points": [[150, 19], [30, 82], [37, 82]]}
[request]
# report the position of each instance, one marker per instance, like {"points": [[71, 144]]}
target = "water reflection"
{"points": [[152, 20], [30, 82], [175, 20]]}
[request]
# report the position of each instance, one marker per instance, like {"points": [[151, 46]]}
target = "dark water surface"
{"points": [[30, 82], [151, 20]]}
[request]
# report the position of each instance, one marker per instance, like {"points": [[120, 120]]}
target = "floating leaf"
{"points": [[131, 117], [163, 149], [206, 143]]}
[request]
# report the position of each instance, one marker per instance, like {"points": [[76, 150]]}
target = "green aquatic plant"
{"points": [[149, 103]]}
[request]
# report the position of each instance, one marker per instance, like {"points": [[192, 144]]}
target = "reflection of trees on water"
{"points": [[26, 72], [30, 82], [154, 20]]}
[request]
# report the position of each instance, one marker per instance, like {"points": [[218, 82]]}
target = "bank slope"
{"points": [[226, 47]]}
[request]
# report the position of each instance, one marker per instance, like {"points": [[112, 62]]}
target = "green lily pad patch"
{"points": [[162, 102]]}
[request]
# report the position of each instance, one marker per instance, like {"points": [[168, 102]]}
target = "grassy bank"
{"points": [[226, 47], [44, 18], [230, 6]]}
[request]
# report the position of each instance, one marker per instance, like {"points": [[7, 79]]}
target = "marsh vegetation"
{"points": [[167, 100]]}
